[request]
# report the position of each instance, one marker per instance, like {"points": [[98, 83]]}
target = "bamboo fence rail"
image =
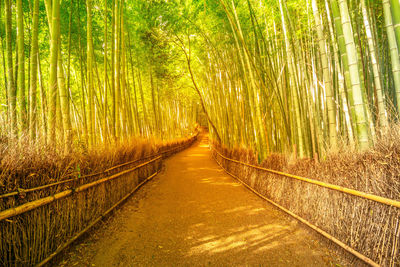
{"points": [[47, 200], [349, 191], [382, 200], [312, 226], [70, 241]]}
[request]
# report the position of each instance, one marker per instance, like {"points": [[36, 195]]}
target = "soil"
{"points": [[194, 214]]}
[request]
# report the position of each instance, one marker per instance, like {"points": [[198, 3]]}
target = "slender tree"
{"points": [[34, 71], [105, 130], [327, 77], [52, 89], [90, 80], [21, 65], [10, 77], [394, 49], [383, 120], [395, 8], [355, 79]]}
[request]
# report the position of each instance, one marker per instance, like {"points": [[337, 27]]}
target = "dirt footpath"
{"points": [[193, 214]]}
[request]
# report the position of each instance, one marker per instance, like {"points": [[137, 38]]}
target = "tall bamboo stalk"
{"points": [[21, 66], [358, 102], [52, 89], [375, 68], [394, 49], [105, 131], [327, 77], [34, 72], [90, 80], [10, 76]]}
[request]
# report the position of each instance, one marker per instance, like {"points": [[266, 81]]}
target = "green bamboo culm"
{"points": [[52, 88], [355, 79], [327, 77], [283, 78], [395, 10], [12, 97], [34, 71], [383, 120], [393, 48], [21, 66], [90, 79]]}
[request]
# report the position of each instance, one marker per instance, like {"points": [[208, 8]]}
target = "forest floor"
{"points": [[194, 214]]}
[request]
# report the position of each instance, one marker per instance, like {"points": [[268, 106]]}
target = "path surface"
{"points": [[193, 214]]}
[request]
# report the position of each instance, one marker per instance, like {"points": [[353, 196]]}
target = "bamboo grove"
{"points": [[300, 76], [271, 75], [77, 72]]}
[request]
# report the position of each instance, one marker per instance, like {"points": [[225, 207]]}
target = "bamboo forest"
{"points": [[200, 132]]}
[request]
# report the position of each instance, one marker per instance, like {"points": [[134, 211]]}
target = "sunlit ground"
{"points": [[194, 214]]}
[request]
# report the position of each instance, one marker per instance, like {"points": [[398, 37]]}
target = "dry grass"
{"points": [[366, 226], [28, 238], [26, 165]]}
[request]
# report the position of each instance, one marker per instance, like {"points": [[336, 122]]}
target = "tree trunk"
{"points": [[34, 72], [89, 67], [394, 50], [11, 85], [327, 78], [21, 66], [105, 131], [383, 121], [355, 79]]}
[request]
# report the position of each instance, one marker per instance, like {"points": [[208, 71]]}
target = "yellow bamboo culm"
{"points": [[383, 200]]}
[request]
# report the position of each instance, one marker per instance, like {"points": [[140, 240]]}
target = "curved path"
{"points": [[193, 214]]}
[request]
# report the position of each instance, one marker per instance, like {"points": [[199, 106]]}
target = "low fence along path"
{"points": [[193, 213]]}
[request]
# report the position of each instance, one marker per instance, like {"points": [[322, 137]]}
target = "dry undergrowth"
{"points": [[26, 165], [365, 225], [29, 238]]}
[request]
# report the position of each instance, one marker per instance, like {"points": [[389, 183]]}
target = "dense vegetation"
{"points": [[307, 76], [88, 84], [80, 71], [272, 76]]}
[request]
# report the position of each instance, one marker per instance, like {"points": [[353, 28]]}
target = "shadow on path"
{"points": [[193, 214]]}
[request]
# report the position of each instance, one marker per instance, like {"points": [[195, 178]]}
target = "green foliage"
{"points": [[261, 80]]}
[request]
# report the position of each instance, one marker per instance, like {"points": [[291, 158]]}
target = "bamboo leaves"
{"points": [[289, 77]]}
